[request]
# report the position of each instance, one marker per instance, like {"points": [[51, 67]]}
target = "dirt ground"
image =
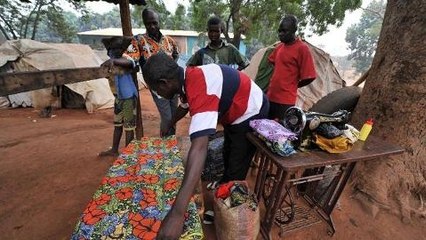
{"points": [[49, 170]]}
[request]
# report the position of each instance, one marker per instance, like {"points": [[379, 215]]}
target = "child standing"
{"points": [[125, 92]]}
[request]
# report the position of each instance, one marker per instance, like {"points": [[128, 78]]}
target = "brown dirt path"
{"points": [[49, 170]]}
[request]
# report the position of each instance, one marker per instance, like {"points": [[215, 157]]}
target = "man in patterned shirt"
{"points": [[212, 93], [148, 44]]}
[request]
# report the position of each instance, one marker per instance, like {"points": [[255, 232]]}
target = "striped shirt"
{"points": [[218, 93]]}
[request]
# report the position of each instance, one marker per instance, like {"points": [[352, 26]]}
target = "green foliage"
{"points": [[158, 6], [179, 20], [260, 19], [24, 20], [362, 37], [95, 21]]}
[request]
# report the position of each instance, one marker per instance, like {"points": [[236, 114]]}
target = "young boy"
{"points": [[125, 92], [218, 51]]}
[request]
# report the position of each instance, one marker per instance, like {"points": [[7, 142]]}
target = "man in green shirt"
{"points": [[218, 51]]}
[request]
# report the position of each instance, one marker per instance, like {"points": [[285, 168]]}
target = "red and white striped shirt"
{"points": [[218, 93]]}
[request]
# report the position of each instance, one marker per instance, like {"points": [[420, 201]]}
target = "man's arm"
{"points": [[172, 225], [121, 62], [307, 71], [240, 59], [304, 82], [179, 114], [195, 59]]}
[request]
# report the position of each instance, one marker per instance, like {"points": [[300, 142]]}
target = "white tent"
{"points": [[28, 55]]}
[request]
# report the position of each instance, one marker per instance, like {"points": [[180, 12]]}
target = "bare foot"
{"points": [[108, 153]]}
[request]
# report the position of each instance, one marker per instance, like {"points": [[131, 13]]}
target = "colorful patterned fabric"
{"points": [[143, 47], [272, 130], [277, 137], [137, 193], [219, 93], [125, 113]]}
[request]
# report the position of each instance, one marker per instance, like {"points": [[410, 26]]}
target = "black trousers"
{"points": [[277, 110], [238, 151]]}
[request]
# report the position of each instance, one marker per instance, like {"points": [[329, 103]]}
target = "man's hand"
{"points": [[172, 227], [109, 64]]}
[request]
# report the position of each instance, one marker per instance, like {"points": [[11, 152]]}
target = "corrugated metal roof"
{"points": [[119, 32]]}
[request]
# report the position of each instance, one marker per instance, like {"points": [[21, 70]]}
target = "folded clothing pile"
{"points": [[277, 137], [334, 140]]}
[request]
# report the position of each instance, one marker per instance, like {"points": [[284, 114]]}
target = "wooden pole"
{"points": [[126, 26], [11, 83]]}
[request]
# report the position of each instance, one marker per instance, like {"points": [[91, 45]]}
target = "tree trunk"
{"points": [[395, 97], [36, 21], [236, 21]]}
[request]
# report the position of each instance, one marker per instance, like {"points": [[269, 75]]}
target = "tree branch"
{"points": [[226, 32], [377, 13], [29, 19], [12, 31], [36, 20], [4, 32]]}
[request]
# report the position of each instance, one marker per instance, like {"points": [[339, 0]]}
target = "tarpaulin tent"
{"points": [[28, 55]]}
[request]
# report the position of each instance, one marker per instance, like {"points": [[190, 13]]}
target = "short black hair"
{"points": [[215, 20], [159, 66], [147, 10], [122, 42], [292, 20]]}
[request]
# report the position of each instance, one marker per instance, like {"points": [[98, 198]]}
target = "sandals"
{"points": [[208, 217]]}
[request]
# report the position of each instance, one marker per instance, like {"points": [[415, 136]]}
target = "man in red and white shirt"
{"points": [[212, 94]]}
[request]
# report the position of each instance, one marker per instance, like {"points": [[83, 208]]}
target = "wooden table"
{"points": [[277, 175]]}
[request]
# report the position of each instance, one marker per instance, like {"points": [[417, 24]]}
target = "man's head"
{"points": [[151, 20], [161, 74], [116, 46], [214, 28], [287, 29]]}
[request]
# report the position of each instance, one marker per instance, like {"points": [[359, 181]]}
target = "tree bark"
{"points": [[36, 20], [394, 95], [236, 5]]}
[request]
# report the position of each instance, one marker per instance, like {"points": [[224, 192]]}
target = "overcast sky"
{"points": [[332, 42]]}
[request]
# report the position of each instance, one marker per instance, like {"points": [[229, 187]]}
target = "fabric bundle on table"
{"points": [[137, 193], [333, 140], [277, 137]]}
